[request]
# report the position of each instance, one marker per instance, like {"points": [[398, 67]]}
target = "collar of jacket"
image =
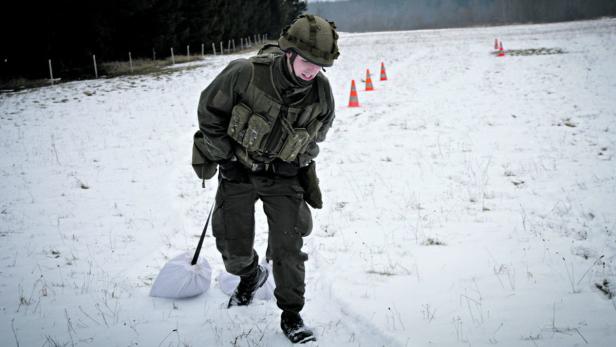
{"points": [[291, 88]]}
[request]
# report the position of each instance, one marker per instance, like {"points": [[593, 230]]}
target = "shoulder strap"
{"points": [[323, 96], [270, 48], [262, 75]]}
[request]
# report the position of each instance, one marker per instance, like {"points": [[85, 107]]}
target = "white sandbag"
{"points": [[228, 282], [179, 279]]}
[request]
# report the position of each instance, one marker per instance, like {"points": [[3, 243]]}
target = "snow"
{"points": [[468, 201]]}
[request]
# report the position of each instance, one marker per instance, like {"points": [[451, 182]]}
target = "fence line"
{"points": [[244, 43]]}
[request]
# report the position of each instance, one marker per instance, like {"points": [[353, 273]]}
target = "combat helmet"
{"points": [[313, 38]]}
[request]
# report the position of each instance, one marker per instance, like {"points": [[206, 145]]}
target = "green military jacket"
{"points": [[258, 111]]}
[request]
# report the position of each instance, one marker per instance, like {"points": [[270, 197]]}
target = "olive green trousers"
{"points": [[289, 219]]}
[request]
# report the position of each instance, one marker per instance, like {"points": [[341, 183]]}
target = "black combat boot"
{"points": [[293, 327], [245, 291]]}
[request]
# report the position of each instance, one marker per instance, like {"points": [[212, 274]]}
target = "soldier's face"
{"points": [[304, 69]]}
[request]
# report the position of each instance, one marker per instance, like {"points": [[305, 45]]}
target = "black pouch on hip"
{"points": [[204, 168], [310, 182]]}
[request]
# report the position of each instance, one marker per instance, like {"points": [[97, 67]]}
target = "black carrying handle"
{"points": [[198, 250]]}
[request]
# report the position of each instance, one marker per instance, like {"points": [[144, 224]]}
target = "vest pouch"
{"points": [[257, 128], [239, 117], [313, 130], [314, 127], [295, 141]]}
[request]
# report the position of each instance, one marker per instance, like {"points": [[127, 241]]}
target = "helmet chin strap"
{"points": [[296, 79], [292, 61]]}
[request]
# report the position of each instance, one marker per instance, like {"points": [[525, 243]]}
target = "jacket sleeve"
{"points": [[215, 105], [312, 150]]}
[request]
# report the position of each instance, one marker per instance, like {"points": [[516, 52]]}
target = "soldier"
{"points": [[260, 121]]}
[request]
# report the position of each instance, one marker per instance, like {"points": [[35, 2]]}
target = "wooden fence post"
{"points": [[95, 69], [233, 45], [50, 72], [188, 50], [222, 51], [172, 57], [130, 62], [214, 48]]}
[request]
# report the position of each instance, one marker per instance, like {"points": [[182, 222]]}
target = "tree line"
{"points": [[70, 31], [385, 15]]}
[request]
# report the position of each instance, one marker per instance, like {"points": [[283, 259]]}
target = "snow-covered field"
{"points": [[470, 200]]}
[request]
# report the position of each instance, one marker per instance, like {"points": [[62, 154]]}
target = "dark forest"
{"points": [[70, 31]]}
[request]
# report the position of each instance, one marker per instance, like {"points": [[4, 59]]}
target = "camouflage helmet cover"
{"points": [[313, 38]]}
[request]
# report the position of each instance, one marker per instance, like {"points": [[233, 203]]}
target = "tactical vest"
{"points": [[264, 127]]}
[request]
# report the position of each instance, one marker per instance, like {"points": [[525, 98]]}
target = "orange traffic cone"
{"points": [[501, 52], [496, 44], [369, 86], [383, 74], [353, 100]]}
